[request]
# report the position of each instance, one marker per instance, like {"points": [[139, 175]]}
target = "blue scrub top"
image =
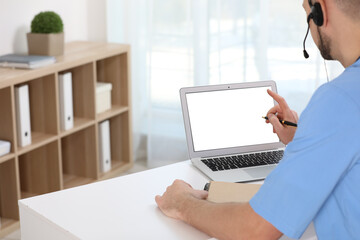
{"points": [[318, 178]]}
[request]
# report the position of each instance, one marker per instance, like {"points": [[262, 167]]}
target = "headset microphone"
{"points": [[306, 55], [316, 15]]}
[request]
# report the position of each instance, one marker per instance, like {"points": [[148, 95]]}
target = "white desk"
{"points": [[120, 208]]}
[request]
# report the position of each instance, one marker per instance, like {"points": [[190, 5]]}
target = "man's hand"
{"points": [[283, 112], [173, 202]]}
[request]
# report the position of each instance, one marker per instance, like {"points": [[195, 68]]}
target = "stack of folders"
{"points": [[23, 115], [104, 146], [26, 61], [66, 101]]}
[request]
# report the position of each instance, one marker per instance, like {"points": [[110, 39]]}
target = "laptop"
{"points": [[227, 138]]}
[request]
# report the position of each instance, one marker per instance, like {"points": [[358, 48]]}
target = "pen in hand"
{"points": [[284, 122]]}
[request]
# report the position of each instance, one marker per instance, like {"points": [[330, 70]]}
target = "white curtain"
{"points": [[179, 43]]}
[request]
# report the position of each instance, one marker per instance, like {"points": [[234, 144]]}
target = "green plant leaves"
{"points": [[47, 22]]}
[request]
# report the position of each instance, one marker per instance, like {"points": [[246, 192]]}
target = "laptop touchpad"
{"points": [[259, 172]]}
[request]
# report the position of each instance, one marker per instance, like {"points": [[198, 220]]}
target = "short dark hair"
{"points": [[350, 7]]}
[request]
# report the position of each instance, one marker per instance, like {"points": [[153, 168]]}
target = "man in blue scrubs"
{"points": [[317, 179]]}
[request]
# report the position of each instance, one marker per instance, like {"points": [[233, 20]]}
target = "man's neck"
{"points": [[348, 40], [350, 58]]}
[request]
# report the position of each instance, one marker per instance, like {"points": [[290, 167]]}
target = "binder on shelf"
{"points": [[5, 147], [104, 146], [23, 115], [66, 101]]}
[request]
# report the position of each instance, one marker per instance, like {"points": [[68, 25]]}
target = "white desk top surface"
{"points": [[119, 208]]}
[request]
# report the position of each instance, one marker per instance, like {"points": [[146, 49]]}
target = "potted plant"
{"points": [[47, 36]]}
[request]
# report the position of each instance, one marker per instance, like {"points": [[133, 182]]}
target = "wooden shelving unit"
{"points": [[57, 159]]}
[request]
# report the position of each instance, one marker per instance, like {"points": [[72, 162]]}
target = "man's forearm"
{"points": [[213, 219], [225, 221]]}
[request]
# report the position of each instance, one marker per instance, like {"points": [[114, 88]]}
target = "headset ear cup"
{"points": [[317, 13]]}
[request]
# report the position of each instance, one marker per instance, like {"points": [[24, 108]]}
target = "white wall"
{"points": [[96, 20], [83, 20]]}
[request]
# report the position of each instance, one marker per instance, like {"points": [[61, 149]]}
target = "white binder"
{"points": [[66, 101], [23, 115], [104, 146]]}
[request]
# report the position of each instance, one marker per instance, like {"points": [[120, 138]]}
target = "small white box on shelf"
{"points": [[66, 101], [104, 146], [103, 96], [5, 147]]}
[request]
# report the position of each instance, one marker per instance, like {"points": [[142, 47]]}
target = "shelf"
{"points": [[79, 124], [6, 157], [83, 86], [38, 139], [115, 110], [115, 71], [8, 226], [120, 138], [9, 212], [6, 222], [71, 181], [43, 111], [6, 117], [28, 195], [40, 170], [79, 156], [120, 141], [116, 168]]}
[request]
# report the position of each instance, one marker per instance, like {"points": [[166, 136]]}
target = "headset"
{"points": [[316, 14]]}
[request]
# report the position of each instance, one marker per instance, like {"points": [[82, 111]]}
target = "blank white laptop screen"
{"points": [[230, 118]]}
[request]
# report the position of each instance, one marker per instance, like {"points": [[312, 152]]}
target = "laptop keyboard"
{"points": [[244, 160]]}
